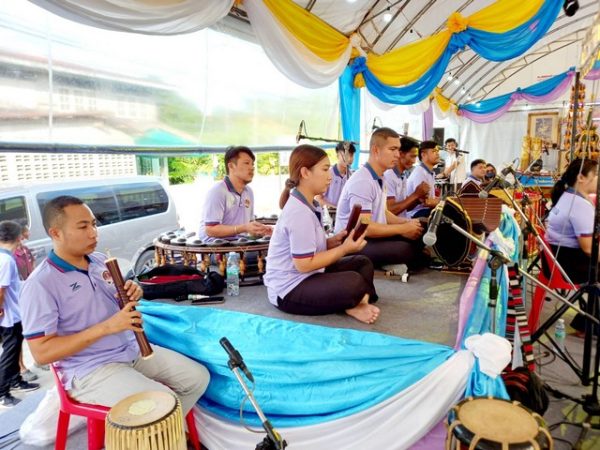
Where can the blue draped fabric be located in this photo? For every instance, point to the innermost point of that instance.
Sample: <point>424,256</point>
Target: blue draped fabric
<point>504,46</point>
<point>482,385</point>
<point>304,373</point>
<point>491,46</point>
<point>350,110</point>
<point>540,89</point>
<point>405,95</point>
<point>480,318</point>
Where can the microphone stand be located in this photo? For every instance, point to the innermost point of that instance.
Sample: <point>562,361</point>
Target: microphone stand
<point>272,441</point>
<point>503,259</point>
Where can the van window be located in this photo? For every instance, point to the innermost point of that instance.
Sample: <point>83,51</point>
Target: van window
<point>101,201</point>
<point>13,208</point>
<point>141,199</point>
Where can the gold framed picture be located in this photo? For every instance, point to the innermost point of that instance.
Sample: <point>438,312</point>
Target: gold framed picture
<point>544,126</point>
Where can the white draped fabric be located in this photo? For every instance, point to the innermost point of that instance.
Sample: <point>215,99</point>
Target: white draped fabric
<point>396,423</point>
<point>288,54</point>
<point>498,142</point>
<point>166,17</point>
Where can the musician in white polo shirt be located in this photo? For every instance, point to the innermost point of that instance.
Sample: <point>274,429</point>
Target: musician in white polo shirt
<point>398,201</point>
<point>390,239</point>
<point>307,272</point>
<point>477,174</point>
<point>229,204</point>
<point>429,155</point>
<point>340,172</point>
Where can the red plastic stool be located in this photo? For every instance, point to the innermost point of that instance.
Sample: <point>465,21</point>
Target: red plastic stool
<point>556,281</point>
<point>96,416</point>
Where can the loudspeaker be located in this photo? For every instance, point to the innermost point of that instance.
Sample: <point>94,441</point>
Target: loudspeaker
<point>438,136</point>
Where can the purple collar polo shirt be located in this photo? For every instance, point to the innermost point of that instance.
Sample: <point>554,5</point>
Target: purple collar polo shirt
<point>337,184</point>
<point>9,280</point>
<point>225,206</point>
<point>59,298</point>
<point>365,188</point>
<point>571,218</point>
<point>297,234</point>
<point>419,174</point>
<point>395,183</point>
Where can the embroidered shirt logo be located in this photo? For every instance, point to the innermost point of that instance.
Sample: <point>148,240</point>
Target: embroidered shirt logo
<point>75,286</point>
<point>106,277</point>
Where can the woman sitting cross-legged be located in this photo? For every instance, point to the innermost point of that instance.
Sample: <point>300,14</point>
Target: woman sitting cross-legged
<point>308,273</point>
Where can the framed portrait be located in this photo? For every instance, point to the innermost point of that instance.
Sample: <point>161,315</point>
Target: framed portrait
<point>544,126</point>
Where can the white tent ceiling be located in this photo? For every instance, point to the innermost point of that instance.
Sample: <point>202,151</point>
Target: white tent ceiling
<point>412,20</point>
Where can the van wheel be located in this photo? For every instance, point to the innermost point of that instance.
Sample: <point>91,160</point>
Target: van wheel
<point>145,262</point>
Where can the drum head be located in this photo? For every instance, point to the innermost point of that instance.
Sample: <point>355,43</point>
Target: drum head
<point>495,422</point>
<point>141,410</point>
<point>451,246</point>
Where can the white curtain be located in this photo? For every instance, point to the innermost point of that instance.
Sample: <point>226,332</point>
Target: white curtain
<point>396,423</point>
<point>165,17</point>
<point>498,142</point>
<point>288,54</point>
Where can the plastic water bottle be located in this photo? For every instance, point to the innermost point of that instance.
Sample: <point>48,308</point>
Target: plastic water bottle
<point>560,333</point>
<point>233,274</point>
<point>327,220</point>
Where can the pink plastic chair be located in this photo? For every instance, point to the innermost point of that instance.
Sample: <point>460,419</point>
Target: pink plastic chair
<point>96,416</point>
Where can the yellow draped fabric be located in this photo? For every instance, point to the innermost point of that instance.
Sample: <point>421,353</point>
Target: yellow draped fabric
<point>319,37</point>
<point>504,15</point>
<point>408,63</point>
<point>444,103</point>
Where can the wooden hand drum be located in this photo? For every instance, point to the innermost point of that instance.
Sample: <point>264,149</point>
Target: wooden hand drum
<point>495,424</point>
<point>146,421</point>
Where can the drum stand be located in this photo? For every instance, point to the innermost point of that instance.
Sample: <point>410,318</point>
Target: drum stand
<point>272,441</point>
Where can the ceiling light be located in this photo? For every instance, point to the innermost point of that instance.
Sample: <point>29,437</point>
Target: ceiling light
<point>387,16</point>
<point>457,81</point>
<point>463,90</point>
<point>351,1</point>
<point>449,77</point>
<point>469,97</point>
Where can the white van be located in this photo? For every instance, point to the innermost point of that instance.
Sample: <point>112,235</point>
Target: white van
<point>131,213</point>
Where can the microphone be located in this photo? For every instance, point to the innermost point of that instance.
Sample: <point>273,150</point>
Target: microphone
<point>235,359</point>
<point>430,238</point>
<point>374,126</point>
<point>460,151</point>
<point>507,170</point>
<point>299,134</point>
<point>485,192</point>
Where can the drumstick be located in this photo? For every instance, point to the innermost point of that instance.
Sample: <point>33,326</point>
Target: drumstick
<point>353,219</point>
<point>113,268</point>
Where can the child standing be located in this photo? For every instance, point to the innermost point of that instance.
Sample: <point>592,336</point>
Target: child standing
<point>11,330</point>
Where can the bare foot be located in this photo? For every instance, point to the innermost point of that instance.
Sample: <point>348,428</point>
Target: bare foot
<point>365,299</point>
<point>364,312</point>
